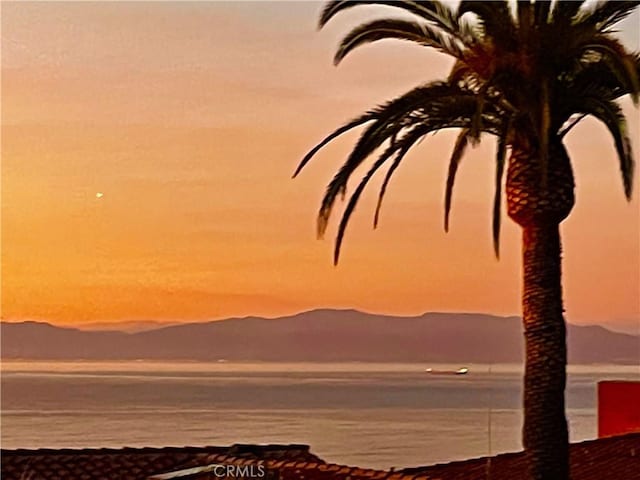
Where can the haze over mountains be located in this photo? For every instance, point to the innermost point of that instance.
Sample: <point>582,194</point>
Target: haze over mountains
<point>318,335</point>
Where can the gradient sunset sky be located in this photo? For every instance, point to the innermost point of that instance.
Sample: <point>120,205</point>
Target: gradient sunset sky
<point>190,118</point>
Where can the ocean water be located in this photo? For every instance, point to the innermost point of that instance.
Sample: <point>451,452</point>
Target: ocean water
<point>374,415</point>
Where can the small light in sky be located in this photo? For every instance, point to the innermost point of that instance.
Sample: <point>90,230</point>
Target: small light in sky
<point>99,195</point>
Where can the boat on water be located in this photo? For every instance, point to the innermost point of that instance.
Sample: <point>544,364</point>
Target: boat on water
<point>460,371</point>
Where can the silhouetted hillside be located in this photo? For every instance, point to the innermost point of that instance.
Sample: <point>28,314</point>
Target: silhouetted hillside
<point>319,335</point>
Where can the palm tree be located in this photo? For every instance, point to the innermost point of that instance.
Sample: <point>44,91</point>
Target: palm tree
<point>527,76</point>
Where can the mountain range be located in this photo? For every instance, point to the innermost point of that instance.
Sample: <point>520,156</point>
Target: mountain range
<point>315,336</point>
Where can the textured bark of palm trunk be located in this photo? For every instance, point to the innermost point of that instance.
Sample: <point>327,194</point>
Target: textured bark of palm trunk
<point>538,205</point>
<point>545,433</point>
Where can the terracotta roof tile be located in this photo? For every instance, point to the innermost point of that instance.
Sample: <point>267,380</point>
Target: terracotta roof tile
<point>615,458</point>
<point>132,463</point>
<point>396,476</point>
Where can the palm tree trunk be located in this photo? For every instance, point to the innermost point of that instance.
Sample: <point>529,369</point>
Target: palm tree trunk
<point>539,203</point>
<point>545,434</point>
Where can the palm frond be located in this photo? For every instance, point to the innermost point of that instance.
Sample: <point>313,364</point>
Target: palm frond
<point>476,124</point>
<point>399,149</point>
<point>501,156</point>
<point>541,11</point>
<point>591,77</point>
<point>525,19</point>
<point>430,100</point>
<point>460,121</point>
<point>588,79</point>
<point>387,112</point>
<point>428,104</point>
<point>622,63</point>
<point>383,189</point>
<point>433,11</point>
<point>463,73</point>
<point>419,33</point>
<point>367,117</point>
<point>495,18</point>
<point>353,201</point>
<point>610,113</point>
<point>605,14</point>
<point>564,11</point>
<point>568,125</point>
<point>456,156</point>
<point>459,72</point>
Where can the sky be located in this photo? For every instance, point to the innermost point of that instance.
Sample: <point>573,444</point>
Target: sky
<point>147,153</point>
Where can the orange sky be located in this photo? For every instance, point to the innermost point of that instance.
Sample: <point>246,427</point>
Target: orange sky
<point>190,119</point>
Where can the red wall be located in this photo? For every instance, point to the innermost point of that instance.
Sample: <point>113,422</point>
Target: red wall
<point>618,408</point>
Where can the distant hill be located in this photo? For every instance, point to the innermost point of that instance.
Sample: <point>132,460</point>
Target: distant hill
<point>126,326</point>
<point>318,335</point>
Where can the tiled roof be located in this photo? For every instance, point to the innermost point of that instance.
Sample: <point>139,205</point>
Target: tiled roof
<point>273,452</point>
<point>125,463</point>
<point>614,458</point>
<point>282,470</point>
